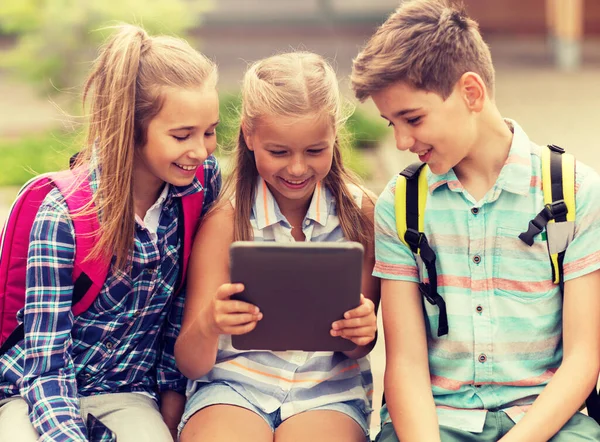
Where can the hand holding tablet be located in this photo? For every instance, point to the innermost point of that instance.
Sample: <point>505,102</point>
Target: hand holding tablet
<point>301,289</point>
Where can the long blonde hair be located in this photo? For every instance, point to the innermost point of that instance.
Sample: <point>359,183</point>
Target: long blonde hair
<point>124,89</point>
<point>292,84</point>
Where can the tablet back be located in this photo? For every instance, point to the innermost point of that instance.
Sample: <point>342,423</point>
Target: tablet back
<point>301,288</point>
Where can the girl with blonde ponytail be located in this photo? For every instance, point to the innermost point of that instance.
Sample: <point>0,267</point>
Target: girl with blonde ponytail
<point>289,184</point>
<point>109,373</point>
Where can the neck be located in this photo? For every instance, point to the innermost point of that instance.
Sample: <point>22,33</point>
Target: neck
<point>146,190</point>
<point>293,210</point>
<point>480,169</point>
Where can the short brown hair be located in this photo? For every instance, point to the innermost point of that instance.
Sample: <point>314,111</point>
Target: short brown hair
<point>428,44</point>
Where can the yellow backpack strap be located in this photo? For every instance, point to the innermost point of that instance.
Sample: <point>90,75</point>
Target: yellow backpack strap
<point>558,215</point>
<point>409,205</point>
<point>410,202</point>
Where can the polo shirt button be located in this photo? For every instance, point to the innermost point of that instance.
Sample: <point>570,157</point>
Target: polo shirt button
<point>136,313</point>
<point>474,210</point>
<point>307,222</point>
<point>109,345</point>
<point>477,259</point>
<point>482,358</point>
<point>479,309</point>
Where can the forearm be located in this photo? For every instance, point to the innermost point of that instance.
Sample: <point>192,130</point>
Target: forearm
<point>54,409</point>
<point>410,403</point>
<point>559,401</point>
<point>196,350</point>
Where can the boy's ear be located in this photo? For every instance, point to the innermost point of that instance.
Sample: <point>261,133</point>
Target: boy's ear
<point>473,91</point>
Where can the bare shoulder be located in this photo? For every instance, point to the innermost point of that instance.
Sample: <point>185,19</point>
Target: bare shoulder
<point>218,222</point>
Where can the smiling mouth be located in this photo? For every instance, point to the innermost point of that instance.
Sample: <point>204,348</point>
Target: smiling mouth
<point>295,184</point>
<point>187,168</point>
<point>423,152</point>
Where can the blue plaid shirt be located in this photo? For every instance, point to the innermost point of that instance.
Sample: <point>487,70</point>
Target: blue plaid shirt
<point>123,343</point>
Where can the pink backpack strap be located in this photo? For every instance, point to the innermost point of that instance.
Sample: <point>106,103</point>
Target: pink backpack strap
<point>89,275</point>
<point>191,206</point>
<point>14,246</point>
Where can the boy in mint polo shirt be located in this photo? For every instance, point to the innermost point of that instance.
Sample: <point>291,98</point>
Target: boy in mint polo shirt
<point>519,358</point>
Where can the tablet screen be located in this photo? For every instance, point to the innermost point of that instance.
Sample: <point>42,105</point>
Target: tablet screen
<point>301,288</point>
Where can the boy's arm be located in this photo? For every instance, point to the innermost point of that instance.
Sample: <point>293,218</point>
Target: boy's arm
<point>49,385</point>
<point>578,373</point>
<point>407,381</point>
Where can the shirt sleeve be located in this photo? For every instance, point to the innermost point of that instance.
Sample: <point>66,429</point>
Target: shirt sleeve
<point>212,180</point>
<point>583,253</point>
<point>168,376</point>
<point>49,384</point>
<point>393,259</point>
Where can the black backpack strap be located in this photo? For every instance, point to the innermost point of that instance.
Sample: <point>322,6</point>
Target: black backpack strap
<point>417,241</point>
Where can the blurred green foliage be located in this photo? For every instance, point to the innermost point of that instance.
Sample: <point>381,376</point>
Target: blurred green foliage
<point>55,37</point>
<point>23,158</point>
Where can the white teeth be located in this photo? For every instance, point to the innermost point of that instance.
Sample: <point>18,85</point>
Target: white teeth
<point>184,167</point>
<point>295,182</point>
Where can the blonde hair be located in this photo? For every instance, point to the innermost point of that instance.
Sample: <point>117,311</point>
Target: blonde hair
<point>292,85</point>
<point>428,44</point>
<point>125,91</point>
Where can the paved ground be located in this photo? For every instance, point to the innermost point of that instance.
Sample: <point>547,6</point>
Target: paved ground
<point>553,107</point>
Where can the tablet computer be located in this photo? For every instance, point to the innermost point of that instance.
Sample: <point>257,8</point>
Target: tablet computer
<point>301,288</point>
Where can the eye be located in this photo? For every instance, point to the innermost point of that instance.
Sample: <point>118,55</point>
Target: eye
<point>277,153</point>
<point>210,134</point>
<point>185,137</point>
<point>315,151</point>
<point>390,124</point>
<point>413,121</point>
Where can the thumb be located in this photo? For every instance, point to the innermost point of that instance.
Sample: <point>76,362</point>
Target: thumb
<point>226,290</point>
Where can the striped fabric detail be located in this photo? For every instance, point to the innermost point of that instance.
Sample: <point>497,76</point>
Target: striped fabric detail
<point>491,359</point>
<point>292,381</point>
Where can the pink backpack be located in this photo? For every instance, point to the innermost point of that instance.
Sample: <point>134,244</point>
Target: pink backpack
<point>88,275</point>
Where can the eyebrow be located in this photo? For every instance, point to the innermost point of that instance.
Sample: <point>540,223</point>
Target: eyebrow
<point>194,127</point>
<point>282,146</point>
<point>403,112</point>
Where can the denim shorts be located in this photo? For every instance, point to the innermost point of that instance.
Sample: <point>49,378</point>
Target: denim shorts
<point>220,393</point>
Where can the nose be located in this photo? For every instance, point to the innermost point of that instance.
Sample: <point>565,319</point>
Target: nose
<point>198,152</point>
<point>404,140</point>
<point>297,167</point>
